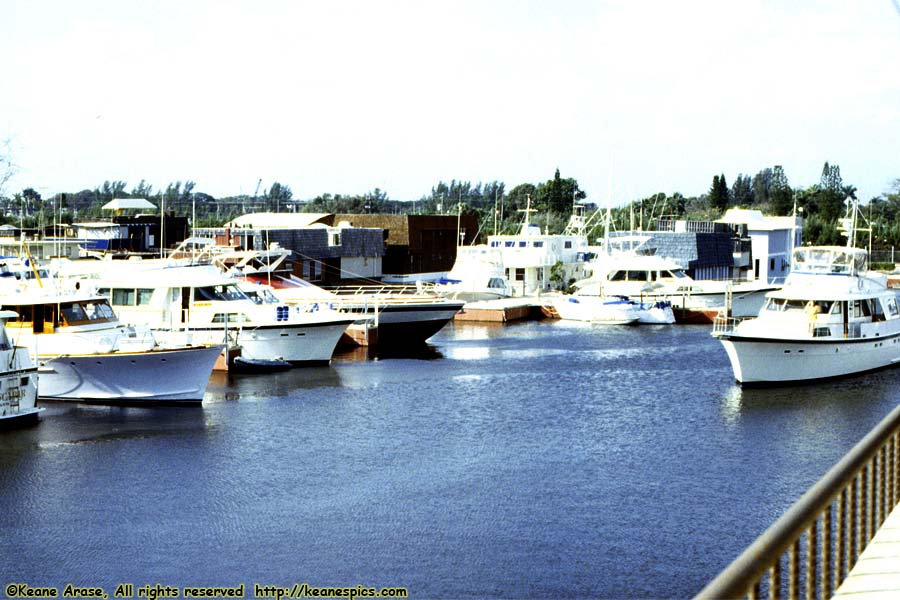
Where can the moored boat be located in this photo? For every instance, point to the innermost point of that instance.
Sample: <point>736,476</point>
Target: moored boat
<point>84,353</point>
<point>832,318</point>
<point>18,381</point>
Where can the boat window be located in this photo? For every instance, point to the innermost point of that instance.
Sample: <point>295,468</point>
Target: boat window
<point>522,244</point>
<point>143,296</point>
<point>568,244</point>
<point>103,292</point>
<point>861,308</point>
<point>794,305</point>
<point>73,313</point>
<point>509,244</point>
<point>231,318</point>
<point>836,308</point>
<point>520,274</point>
<point>538,244</point>
<point>617,276</point>
<point>219,292</point>
<point>4,340</point>
<point>637,275</point>
<point>892,307</point>
<point>495,244</point>
<point>496,283</point>
<point>98,311</point>
<point>123,297</point>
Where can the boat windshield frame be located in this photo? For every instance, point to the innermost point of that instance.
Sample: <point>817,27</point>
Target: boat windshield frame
<point>830,260</point>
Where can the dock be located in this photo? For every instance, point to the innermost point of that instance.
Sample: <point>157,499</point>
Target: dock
<point>876,573</point>
<point>502,310</point>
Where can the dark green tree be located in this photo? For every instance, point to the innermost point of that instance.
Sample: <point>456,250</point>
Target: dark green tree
<point>718,193</point>
<point>780,193</point>
<point>761,185</point>
<point>742,191</point>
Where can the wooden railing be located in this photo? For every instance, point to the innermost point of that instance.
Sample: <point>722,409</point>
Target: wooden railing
<point>810,550</point>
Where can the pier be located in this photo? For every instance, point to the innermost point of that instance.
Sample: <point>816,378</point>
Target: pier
<point>503,310</point>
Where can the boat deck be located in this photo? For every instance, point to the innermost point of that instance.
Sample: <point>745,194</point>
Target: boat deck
<point>877,572</point>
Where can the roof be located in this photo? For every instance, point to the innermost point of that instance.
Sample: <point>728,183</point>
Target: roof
<point>756,221</point>
<point>129,203</point>
<point>275,220</point>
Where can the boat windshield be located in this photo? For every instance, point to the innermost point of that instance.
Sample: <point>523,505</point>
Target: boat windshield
<point>225,293</point>
<point>834,260</point>
<point>93,311</point>
<point>262,296</point>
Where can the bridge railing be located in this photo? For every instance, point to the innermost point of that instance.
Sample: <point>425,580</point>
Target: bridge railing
<point>809,551</point>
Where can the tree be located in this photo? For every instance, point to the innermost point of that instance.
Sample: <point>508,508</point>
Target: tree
<point>780,192</point>
<point>831,194</point>
<point>277,196</point>
<point>761,183</point>
<point>718,193</point>
<point>7,168</point>
<point>742,191</point>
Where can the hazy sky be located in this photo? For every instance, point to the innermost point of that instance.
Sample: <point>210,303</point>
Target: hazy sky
<point>633,97</point>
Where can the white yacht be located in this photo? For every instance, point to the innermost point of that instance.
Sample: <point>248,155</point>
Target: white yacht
<point>587,307</point>
<point>84,353</point>
<point>404,315</point>
<point>201,304</point>
<point>832,318</point>
<point>649,278</point>
<point>18,380</point>
<point>600,310</point>
<point>532,259</point>
<point>476,275</point>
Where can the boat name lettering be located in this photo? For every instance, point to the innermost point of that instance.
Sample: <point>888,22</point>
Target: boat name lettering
<point>11,394</point>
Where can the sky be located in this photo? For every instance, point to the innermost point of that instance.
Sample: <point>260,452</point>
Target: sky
<point>628,97</point>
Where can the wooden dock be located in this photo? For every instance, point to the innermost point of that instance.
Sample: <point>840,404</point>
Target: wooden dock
<point>503,310</point>
<point>877,572</point>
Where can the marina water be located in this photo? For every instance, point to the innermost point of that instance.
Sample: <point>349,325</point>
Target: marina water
<point>533,460</point>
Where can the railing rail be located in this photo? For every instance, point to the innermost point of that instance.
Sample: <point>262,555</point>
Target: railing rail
<point>822,535</point>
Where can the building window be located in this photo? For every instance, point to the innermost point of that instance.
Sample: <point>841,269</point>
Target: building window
<point>568,244</point>
<point>520,274</point>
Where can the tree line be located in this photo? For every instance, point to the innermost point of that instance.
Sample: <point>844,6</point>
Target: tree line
<point>497,208</point>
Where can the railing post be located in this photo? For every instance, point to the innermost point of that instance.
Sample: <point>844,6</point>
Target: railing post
<point>827,554</point>
<point>812,559</point>
<point>775,580</point>
<point>840,543</point>
<point>794,570</point>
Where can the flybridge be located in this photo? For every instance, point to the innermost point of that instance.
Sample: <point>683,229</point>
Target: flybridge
<point>832,260</point>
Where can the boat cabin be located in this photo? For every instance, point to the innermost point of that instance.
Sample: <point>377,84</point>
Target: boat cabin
<point>46,317</point>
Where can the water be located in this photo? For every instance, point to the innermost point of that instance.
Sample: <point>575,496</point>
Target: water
<point>535,460</point>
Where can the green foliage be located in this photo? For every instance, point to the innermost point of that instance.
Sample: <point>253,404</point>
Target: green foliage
<point>718,193</point>
<point>558,278</point>
<point>742,191</point>
<point>780,192</point>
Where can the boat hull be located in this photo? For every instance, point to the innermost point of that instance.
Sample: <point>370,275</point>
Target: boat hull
<point>596,310</point>
<point>408,324</point>
<point>760,362</point>
<point>159,376</point>
<point>299,345</point>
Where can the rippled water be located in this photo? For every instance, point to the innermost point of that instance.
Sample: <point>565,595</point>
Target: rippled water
<point>534,460</point>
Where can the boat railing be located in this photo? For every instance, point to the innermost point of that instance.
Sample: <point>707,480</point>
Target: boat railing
<point>724,324</point>
<point>809,551</point>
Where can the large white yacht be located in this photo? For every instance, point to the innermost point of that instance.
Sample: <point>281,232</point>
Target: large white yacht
<point>201,304</point>
<point>404,315</point>
<point>18,380</point>
<point>650,278</point>
<point>832,318</point>
<point>84,353</point>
